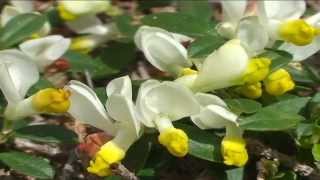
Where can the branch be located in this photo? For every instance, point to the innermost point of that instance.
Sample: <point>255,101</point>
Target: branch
<point>258,149</point>
<point>121,170</point>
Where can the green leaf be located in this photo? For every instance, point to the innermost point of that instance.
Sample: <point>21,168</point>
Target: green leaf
<point>47,134</point>
<point>196,8</point>
<point>279,58</point>
<point>142,149</point>
<point>118,55</point>
<point>279,116</point>
<point>125,26</point>
<point>82,62</point>
<point>304,129</point>
<point>180,23</point>
<point>26,164</point>
<point>287,175</point>
<point>19,28</point>
<point>202,144</point>
<point>241,105</point>
<point>204,46</point>
<point>316,152</point>
<point>235,174</point>
<point>102,94</point>
<point>41,84</point>
<point>301,76</point>
<point>149,172</point>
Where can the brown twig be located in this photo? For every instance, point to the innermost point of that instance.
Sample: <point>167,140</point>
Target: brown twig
<point>121,170</point>
<point>258,149</point>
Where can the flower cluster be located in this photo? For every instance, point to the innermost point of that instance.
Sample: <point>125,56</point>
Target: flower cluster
<point>239,65</point>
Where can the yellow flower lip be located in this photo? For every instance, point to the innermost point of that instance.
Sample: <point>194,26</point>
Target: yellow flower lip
<point>234,151</point>
<point>65,14</point>
<point>51,100</point>
<point>175,140</point>
<point>298,32</point>
<point>188,71</point>
<point>108,154</point>
<point>257,70</point>
<point>279,82</point>
<point>252,91</point>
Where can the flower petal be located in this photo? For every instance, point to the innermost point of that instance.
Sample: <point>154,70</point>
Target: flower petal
<point>45,50</point>
<point>143,112</point>
<point>209,99</point>
<point>281,10</point>
<point>18,74</point>
<point>223,68</point>
<point>214,116</point>
<point>88,24</point>
<point>145,30</point>
<point>301,53</point>
<point>123,110</point>
<point>7,13</point>
<point>23,6</point>
<point>233,11</point>
<point>85,7</point>
<point>165,53</point>
<point>252,35</point>
<point>87,108</point>
<point>121,86</point>
<point>171,100</point>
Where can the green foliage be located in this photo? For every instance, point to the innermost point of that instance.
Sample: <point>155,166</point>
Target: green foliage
<point>316,152</point>
<point>240,106</point>
<point>28,164</point>
<point>19,28</point>
<point>279,116</point>
<point>203,46</point>
<point>235,174</point>
<point>180,23</point>
<point>202,144</point>
<point>47,134</point>
<point>279,58</point>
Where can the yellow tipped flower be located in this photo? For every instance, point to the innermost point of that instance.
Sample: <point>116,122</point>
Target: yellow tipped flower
<point>175,140</point>
<point>109,153</point>
<point>252,91</point>
<point>234,151</point>
<point>257,70</point>
<point>51,100</point>
<point>188,71</point>
<point>65,14</point>
<point>279,82</point>
<point>298,32</point>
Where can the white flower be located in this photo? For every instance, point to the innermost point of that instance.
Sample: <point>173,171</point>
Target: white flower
<point>21,7</point>
<point>223,68</point>
<point>124,126</point>
<point>163,49</point>
<point>44,51</point>
<point>18,73</point>
<point>118,118</point>
<point>161,103</point>
<point>237,23</point>
<point>283,21</point>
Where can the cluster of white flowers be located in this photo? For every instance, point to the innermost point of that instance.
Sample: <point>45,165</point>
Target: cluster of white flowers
<point>235,64</point>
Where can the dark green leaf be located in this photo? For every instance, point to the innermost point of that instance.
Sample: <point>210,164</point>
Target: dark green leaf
<point>279,116</point>
<point>202,144</point>
<point>102,94</point>
<point>301,76</point>
<point>19,28</point>
<point>118,55</point>
<point>125,26</point>
<point>47,134</point>
<point>82,62</point>
<point>180,23</point>
<point>288,175</point>
<point>279,58</point>
<point>304,129</point>
<point>204,46</point>
<point>142,149</point>
<point>240,105</point>
<point>235,174</point>
<point>146,172</point>
<point>26,164</point>
<point>196,8</point>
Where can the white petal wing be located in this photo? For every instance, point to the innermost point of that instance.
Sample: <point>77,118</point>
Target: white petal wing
<point>121,86</point>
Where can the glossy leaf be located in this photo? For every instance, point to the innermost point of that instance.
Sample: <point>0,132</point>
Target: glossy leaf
<point>19,28</point>
<point>316,152</point>
<point>180,23</point>
<point>279,58</point>
<point>204,46</point>
<point>202,144</point>
<point>235,174</point>
<point>27,164</point>
<point>47,134</point>
<point>240,105</point>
